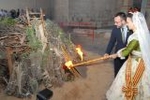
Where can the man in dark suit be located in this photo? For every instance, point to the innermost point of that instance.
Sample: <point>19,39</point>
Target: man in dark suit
<point>118,39</point>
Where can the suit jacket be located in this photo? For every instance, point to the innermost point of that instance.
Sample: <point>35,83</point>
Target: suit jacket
<point>116,40</point>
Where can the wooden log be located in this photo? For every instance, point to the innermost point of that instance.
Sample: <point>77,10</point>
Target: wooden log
<point>9,58</point>
<point>27,15</point>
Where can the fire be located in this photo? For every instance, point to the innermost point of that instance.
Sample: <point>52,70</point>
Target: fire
<point>79,51</point>
<point>69,64</point>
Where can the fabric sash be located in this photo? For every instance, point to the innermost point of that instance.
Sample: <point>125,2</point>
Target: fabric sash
<point>131,89</point>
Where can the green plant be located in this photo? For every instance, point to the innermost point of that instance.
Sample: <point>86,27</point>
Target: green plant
<point>33,41</point>
<point>7,21</point>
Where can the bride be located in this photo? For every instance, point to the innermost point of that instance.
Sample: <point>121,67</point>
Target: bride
<point>133,80</point>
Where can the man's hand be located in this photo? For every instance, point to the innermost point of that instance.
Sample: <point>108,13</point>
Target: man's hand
<point>106,56</point>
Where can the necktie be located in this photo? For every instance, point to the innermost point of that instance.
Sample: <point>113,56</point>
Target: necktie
<point>123,35</point>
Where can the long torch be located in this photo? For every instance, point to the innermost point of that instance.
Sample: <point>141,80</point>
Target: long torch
<point>91,61</point>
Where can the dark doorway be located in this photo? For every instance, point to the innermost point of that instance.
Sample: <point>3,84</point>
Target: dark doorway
<point>137,3</point>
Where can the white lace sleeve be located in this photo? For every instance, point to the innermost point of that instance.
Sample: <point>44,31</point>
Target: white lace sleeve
<point>119,53</point>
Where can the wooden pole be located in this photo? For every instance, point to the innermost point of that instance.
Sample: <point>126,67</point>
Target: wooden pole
<point>9,58</point>
<point>91,61</point>
<point>27,15</point>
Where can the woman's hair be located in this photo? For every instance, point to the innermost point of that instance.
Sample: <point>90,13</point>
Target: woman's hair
<point>130,15</point>
<point>134,9</point>
<point>131,11</point>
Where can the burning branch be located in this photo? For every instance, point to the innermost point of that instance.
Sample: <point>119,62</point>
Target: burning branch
<point>65,54</point>
<point>69,63</point>
<point>79,51</point>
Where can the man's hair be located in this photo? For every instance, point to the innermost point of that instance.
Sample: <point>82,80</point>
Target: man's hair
<point>122,15</point>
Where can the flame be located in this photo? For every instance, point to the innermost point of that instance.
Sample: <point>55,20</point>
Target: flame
<point>69,64</point>
<point>79,51</point>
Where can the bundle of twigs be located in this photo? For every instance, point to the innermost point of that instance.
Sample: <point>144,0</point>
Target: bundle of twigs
<point>55,43</point>
<point>38,55</point>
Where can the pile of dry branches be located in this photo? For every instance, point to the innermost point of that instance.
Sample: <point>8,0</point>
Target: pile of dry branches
<point>36,54</point>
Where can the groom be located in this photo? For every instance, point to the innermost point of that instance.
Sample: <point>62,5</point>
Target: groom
<point>118,39</point>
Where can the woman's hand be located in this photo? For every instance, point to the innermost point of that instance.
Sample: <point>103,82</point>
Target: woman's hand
<point>114,56</point>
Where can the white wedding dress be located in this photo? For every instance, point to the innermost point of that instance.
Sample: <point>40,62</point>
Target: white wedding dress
<point>115,91</point>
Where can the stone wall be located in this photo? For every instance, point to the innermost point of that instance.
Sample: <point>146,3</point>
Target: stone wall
<point>61,10</point>
<point>100,12</point>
